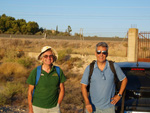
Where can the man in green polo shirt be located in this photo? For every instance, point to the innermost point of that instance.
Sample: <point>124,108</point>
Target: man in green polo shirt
<point>47,96</point>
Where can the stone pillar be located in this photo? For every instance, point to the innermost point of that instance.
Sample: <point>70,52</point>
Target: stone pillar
<point>132,45</point>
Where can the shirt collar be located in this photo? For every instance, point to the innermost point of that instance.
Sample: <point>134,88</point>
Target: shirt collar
<point>96,66</point>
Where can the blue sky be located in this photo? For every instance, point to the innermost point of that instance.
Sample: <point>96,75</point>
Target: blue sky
<point>104,18</point>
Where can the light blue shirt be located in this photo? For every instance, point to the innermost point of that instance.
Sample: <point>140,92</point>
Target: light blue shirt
<point>102,86</point>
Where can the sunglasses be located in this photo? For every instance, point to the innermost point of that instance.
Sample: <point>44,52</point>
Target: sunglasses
<point>46,56</point>
<point>103,52</point>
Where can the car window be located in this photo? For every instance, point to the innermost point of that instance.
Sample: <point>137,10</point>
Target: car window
<point>137,77</point>
<point>136,71</point>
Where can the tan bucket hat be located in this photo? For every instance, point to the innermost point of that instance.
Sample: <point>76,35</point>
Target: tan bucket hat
<point>46,48</point>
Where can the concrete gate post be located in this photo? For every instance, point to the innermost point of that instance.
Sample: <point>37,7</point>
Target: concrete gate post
<point>132,45</point>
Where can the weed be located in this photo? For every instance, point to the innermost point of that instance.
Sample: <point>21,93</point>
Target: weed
<point>73,97</point>
<point>65,45</point>
<point>26,62</point>
<point>26,42</point>
<point>2,53</point>
<point>11,92</point>
<point>20,53</point>
<point>69,51</point>
<point>10,71</point>
<point>16,67</point>
<point>16,42</point>
<point>63,56</point>
<point>80,64</point>
<point>144,49</point>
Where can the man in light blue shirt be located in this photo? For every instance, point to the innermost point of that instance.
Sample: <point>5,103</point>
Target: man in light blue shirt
<point>102,96</point>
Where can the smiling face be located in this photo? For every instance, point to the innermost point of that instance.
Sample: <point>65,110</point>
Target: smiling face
<point>47,58</point>
<point>101,56</point>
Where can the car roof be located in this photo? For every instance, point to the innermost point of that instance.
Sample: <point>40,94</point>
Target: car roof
<point>134,64</point>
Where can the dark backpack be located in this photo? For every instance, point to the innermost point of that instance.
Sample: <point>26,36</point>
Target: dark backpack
<point>111,63</point>
<point>117,82</point>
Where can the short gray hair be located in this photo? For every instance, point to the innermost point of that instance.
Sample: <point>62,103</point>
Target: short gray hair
<point>102,44</point>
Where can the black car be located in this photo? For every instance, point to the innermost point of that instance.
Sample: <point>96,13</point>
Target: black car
<point>137,94</point>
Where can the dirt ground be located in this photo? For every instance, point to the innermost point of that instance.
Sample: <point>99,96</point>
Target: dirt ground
<point>83,50</point>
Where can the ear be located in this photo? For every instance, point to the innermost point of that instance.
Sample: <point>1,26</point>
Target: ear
<point>41,58</point>
<point>54,58</point>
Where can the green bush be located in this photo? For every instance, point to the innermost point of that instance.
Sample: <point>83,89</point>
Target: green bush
<point>10,56</point>
<point>12,90</point>
<point>39,33</point>
<point>69,51</point>
<point>64,55</point>
<point>11,71</point>
<point>61,54</point>
<point>26,62</point>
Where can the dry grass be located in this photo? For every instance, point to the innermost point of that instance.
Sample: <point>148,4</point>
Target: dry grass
<point>11,70</point>
<point>73,101</point>
<point>17,68</point>
<point>76,46</point>
<point>12,91</point>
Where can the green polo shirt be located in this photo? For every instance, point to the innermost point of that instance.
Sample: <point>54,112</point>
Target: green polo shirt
<point>47,90</point>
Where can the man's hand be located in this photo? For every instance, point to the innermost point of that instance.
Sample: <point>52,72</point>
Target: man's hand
<point>115,99</point>
<point>85,96</point>
<point>89,108</point>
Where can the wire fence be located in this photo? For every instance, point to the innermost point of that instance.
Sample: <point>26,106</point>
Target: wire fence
<point>63,37</point>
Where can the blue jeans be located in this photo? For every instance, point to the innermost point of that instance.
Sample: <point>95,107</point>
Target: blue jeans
<point>108,110</point>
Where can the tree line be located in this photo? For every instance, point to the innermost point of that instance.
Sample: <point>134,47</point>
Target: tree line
<point>9,25</point>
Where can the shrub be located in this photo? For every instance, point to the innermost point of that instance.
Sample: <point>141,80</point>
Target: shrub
<point>12,92</point>
<point>69,51</point>
<point>11,70</point>
<point>2,53</point>
<point>72,61</point>
<point>64,55</point>
<point>9,56</point>
<point>61,54</point>
<point>73,98</point>
<point>39,33</point>
<point>16,42</point>
<point>26,42</point>
<point>20,53</point>
<point>80,64</point>
<point>65,44</point>
<point>26,62</point>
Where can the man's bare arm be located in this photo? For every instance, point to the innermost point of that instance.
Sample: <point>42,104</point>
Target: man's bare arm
<point>85,96</point>
<point>116,98</point>
<point>30,91</point>
<point>61,93</point>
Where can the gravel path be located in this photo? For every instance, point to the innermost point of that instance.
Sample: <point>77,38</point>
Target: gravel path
<point>13,109</point>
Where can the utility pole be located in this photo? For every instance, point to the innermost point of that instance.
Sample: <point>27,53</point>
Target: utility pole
<point>81,33</point>
<point>82,39</point>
